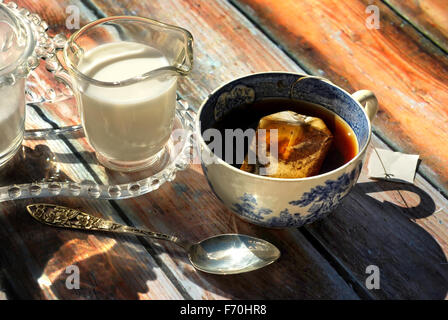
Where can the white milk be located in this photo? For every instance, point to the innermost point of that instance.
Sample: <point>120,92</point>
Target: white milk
<point>126,123</point>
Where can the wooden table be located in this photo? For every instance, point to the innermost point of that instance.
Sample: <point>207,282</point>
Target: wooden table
<point>400,228</point>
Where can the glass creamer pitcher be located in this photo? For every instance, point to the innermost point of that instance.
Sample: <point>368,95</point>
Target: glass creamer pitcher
<point>23,41</point>
<point>123,71</point>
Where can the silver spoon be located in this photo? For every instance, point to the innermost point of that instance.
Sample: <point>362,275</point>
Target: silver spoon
<point>221,254</point>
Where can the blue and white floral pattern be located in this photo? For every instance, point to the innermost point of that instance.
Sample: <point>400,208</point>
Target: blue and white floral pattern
<point>325,198</point>
<point>238,96</point>
<point>287,219</point>
<point>248,208</point>
<point>321,200</point>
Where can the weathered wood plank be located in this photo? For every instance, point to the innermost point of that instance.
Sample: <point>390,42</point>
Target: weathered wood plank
<point>41,275</point>
<point>402,229</point>
<point>185,213</point>
<point>35,257</point>
<point>407,72</point>
<point>43,253</point>
<point>188,208</point>
<point>433,286</point>
<point>428,16</point>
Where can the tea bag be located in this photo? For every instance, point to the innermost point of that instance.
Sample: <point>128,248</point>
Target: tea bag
<point>303,143</point>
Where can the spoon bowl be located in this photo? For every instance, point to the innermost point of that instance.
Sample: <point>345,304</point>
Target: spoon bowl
<point>232,254</point>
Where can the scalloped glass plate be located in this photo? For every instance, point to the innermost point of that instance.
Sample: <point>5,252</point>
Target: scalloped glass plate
<point>60,162</point>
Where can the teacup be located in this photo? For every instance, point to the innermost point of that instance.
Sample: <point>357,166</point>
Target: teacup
<point>275,202</point>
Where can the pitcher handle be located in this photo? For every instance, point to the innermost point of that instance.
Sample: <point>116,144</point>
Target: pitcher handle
<point>368,100</point>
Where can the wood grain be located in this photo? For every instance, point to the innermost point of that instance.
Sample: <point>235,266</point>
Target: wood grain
<point>407,72</point>
<point>428,16</point>
<point>188,207</point>
<point>35,257</point>
<point>435,276</point>
<point>402,229</point>
<point>373,226</point>
<point>126,268</point>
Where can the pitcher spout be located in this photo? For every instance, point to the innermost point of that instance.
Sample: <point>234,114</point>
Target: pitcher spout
<point>174,43</point>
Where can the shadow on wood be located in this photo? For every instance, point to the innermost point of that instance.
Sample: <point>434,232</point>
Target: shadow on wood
<point>34,259</point>
<point>376,225</point>
<point>187,208</point>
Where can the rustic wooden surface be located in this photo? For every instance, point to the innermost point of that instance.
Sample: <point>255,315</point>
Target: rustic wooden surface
<point>428,16</point>
<point>407,72</point>
<point>401,229</point>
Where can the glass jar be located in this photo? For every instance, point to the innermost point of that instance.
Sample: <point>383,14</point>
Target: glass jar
<point>23,42</point>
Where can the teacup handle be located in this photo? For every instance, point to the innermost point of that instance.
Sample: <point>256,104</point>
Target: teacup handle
<point>368,100</point>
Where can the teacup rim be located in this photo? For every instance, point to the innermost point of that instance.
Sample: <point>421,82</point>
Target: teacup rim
<point>252,175</point>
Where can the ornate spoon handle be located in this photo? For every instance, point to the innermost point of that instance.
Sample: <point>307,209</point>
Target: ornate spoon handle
<point>64,217</point>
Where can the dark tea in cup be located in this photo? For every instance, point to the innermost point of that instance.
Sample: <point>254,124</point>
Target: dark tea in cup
<point>344,146</point>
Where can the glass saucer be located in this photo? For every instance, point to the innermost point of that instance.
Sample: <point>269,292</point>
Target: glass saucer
<point>58,161</point>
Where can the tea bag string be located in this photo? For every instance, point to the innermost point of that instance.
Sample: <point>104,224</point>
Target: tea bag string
<point>387,175</point>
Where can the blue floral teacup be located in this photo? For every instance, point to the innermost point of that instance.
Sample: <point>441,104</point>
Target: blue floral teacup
<point>275,202</point>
